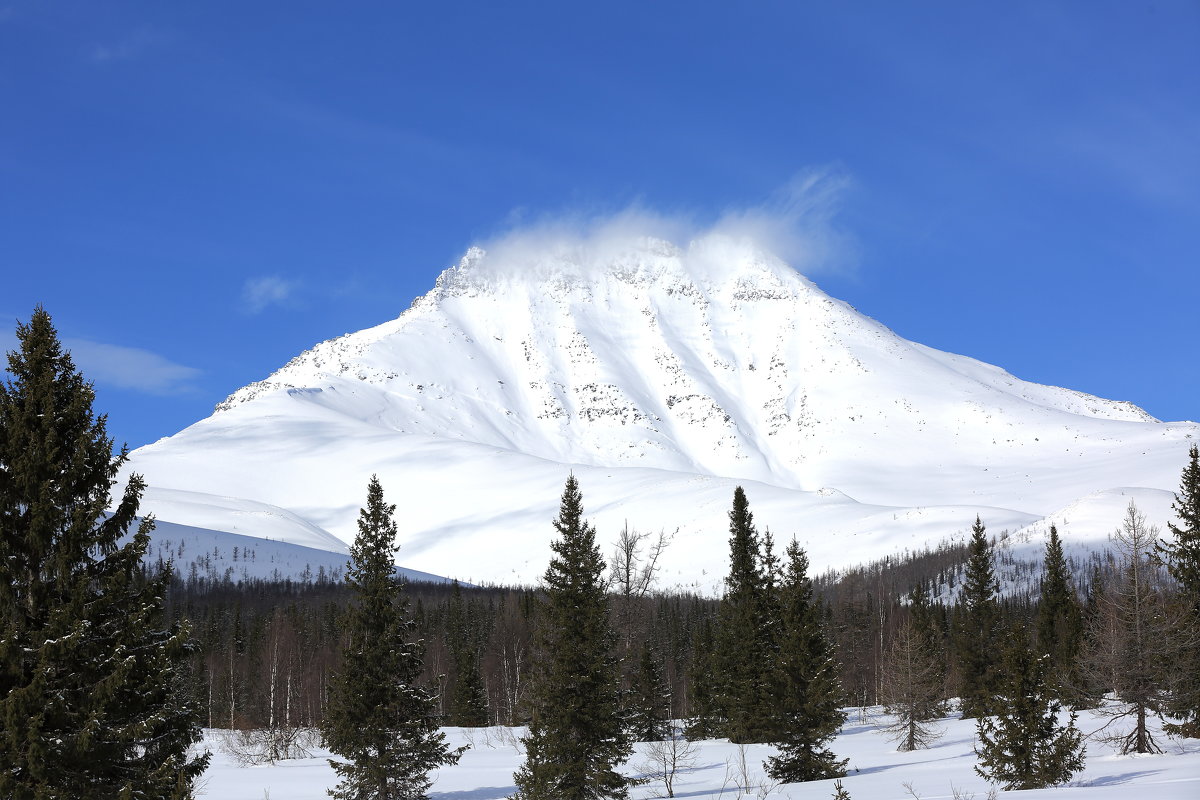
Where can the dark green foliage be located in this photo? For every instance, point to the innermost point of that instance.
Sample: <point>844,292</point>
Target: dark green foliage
<point>704,721</point>
<point>468,698</point>
<point>977,633</point>
<point>807,692</point>
<point>1060,624</point>
<point>839,791</point>
<point>1182,557</point>
<point>650,700</point>
<point>92,700</point>
<point>575,740</point>
<point>743,657</point>
<point>1025,746</point>
<point>378,718</point>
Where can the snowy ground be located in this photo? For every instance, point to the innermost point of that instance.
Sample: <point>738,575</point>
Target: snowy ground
<point>876,770</point>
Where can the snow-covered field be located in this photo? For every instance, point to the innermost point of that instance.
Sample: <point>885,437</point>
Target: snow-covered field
<point>663,376</point>
<point>721,771</point>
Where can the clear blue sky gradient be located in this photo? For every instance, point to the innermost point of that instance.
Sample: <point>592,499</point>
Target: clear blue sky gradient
<point>199,191</point>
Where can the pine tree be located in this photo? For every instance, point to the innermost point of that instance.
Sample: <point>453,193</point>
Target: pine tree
<point>650,700</point>
<point>1060,623</point>
<point>977,635</point>
<point>704,721</point>
<point>1025,746</point>
<point>742,661</point>
<point>807,689</point>
<point>378,718</point>
<point>575,740</point>
<point>468,696</point>
<point>1182,557</point>
<point>92,697</point>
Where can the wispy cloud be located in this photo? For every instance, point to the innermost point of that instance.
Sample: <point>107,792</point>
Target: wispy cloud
<point>796,224</point>
<point>118,366</point>
<point>130,368</point>
<point>268,290</point>
<point>129,47</point>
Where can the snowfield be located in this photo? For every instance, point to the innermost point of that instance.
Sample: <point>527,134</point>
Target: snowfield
<point>663,376</point>
<point>722,771</point>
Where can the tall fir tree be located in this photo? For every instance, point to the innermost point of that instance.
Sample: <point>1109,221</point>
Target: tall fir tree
<point>1025,746</point>
<point>1060,624</point>
<point>1182,556</point>
<point>92,702</point>
<point>743,657</point>
<point>468,704</point>
<point>978,627</point>
<point>650,700</point>
<point>807,691</point>
<point>704,718</point>
<point>576,739</point>
<point>378,718</point>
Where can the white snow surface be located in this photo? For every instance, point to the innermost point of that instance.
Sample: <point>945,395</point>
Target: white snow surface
<point>662,376</point>
<point>876,770</point>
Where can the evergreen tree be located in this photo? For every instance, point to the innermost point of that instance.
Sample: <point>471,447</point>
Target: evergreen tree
<point>1025,746</point>
<point>92,698</point>
<point>575,740</point>
<point>977,634</point>
<point>1182,557</point>
<point>742,661</point>
<point>468,696</point>
<point>704,721</point>
<point>378,718</point>
<point>807,689</point>
<point>1060,623</point>
<point>650,700</point>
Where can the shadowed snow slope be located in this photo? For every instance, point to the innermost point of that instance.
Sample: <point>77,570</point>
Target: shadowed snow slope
<point>663,376</point>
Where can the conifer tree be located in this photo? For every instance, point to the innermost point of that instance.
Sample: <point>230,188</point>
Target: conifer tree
<point>1060,623</point>
<point>1182,557</point>
<point>92,699</point>
<point>977,635</point>
<point>468,697</point>
<point>378,718</point>
<point>807,690</point>
<point>704,721</point>
<point>1025,746</point>
<point>743,658</point>
<point>575,740</point>
<point>650,700</point>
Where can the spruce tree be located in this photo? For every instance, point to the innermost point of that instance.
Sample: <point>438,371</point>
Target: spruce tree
<point>1060,623</point>
<point>575,740</point>
<point>743,658</point>
<point>468,705</point>
<point>378,718</point>
<point>807,690</point>
<point>92,698</point>
<point>977,633</point>
<point>1182,557</point>
<point>1025,746</point>
<point>704,721</point>
<point>650,700</point>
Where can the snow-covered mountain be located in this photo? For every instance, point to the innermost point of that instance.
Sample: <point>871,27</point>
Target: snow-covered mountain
<point>663,377</point>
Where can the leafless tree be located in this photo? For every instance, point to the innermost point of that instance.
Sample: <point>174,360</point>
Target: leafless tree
<point>666,759</point>
<point>913,685</point>
<point>1130,637</point>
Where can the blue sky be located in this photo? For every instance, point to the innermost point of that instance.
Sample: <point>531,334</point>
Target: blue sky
<point>197,192</point>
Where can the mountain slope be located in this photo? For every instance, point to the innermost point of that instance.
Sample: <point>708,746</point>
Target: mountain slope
<point>663,376</point>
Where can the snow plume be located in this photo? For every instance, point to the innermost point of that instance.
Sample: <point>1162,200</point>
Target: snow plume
<point>795,226</point>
